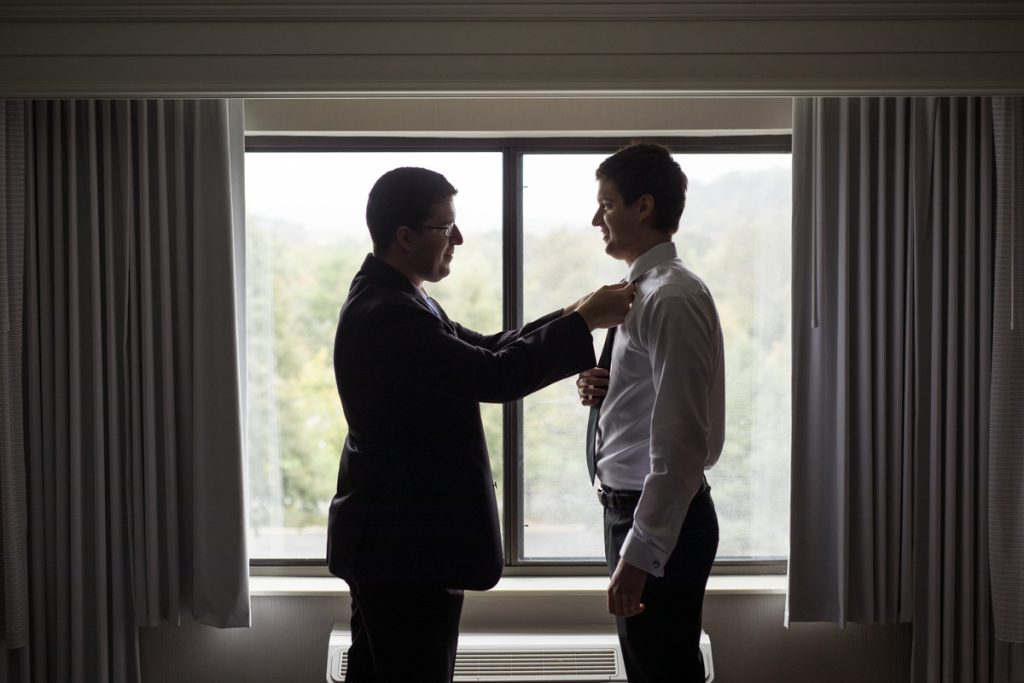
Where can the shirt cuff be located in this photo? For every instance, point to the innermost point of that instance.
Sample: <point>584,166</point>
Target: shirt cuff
<point>643,555</point>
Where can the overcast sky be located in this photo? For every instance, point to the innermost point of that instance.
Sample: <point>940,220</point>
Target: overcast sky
<point>326,192</point>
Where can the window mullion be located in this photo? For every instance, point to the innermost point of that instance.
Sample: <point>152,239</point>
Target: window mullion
<point>512,268</point>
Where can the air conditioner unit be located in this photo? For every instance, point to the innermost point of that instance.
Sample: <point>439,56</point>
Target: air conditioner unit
<point>523,657</point>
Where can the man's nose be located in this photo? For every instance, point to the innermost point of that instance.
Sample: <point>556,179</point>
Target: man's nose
<point>598,219</point>
<point>456,237</point>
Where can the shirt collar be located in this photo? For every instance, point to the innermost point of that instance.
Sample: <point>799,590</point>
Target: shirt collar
<point>649,259</point>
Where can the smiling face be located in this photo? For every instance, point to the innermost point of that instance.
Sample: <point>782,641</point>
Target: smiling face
<point>624,226</point>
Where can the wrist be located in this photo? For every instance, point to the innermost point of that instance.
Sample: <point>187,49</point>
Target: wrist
<point>587,317</point>
<point>629,569</point>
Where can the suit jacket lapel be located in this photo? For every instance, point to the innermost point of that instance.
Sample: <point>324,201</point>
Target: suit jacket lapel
<point>444,316</point>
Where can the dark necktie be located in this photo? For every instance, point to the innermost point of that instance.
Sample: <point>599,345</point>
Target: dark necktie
<point>436,310</point>
<point>604,362</point>
<point>432,306</point>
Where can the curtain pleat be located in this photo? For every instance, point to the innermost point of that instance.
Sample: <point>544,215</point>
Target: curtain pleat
<point>129,344</point>
<point>14,621</point>
<point>952,610</point>
<point>850,539</point>
<point>1006,472</point>
<point>892,374</point>
<point>218,547</point>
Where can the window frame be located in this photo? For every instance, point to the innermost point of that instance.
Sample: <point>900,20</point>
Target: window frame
<point>513,149</point>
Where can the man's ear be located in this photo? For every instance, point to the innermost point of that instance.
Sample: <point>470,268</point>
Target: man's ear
<point>645,205</point>
<point>403,237</point>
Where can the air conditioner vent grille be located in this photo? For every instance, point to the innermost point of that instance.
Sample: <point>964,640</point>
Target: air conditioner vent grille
<point>342,666</point>
<point>498,665</point>
<point>491,657</point>
<point>511,664</point>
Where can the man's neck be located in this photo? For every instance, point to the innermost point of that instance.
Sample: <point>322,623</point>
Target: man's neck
<point>401,267</point>
<point>645,246</point>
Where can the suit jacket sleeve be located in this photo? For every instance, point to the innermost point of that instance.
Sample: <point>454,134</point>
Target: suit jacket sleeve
<point>494,342</point>
<point>497,368</point>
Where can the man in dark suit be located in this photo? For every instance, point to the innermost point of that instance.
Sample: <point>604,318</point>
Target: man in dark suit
<point>414,521</point>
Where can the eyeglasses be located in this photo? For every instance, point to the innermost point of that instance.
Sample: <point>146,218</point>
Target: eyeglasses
<point>448,229</point>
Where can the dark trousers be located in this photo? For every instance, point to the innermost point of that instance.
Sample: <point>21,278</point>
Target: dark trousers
<point>662,643</point>
<point>403,633</point>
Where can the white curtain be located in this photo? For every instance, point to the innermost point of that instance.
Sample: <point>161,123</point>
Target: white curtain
<point>134,486</point>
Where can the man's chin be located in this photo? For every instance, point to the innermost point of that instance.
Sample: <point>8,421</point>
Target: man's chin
<point>441,273</point>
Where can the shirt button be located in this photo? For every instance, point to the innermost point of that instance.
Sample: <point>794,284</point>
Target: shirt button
<point>657,564</point>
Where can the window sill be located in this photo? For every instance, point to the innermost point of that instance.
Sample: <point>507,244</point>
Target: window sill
<point>278,586</point>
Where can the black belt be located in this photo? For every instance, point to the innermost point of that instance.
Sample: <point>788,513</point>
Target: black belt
<point>614,499</point>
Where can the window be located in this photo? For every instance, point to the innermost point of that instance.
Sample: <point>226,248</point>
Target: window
<point>527,205</point>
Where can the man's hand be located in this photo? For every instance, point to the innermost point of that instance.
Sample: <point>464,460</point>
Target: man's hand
<point>592,385</point>
<point>607,307</point>
<point>626,589</point>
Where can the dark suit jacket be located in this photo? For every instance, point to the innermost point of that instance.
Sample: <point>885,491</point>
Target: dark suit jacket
<point>415,499</point>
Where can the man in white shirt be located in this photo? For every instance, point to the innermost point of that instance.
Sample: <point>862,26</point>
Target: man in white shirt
<point>658,418</point>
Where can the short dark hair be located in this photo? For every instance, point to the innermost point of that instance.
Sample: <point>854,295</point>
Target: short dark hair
<point>403,196</point>
<point>646,168</point>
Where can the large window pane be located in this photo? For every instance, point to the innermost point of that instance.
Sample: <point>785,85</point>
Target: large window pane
<point>563,258</point>
<point>305,238</point>
<point>735,234</point>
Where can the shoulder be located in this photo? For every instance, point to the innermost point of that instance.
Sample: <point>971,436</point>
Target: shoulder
<point>370,303</point>
<point>675,298</point>
<point>673,283</point>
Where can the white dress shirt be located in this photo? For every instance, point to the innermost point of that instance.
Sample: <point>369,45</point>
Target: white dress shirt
<point>662,422</point>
